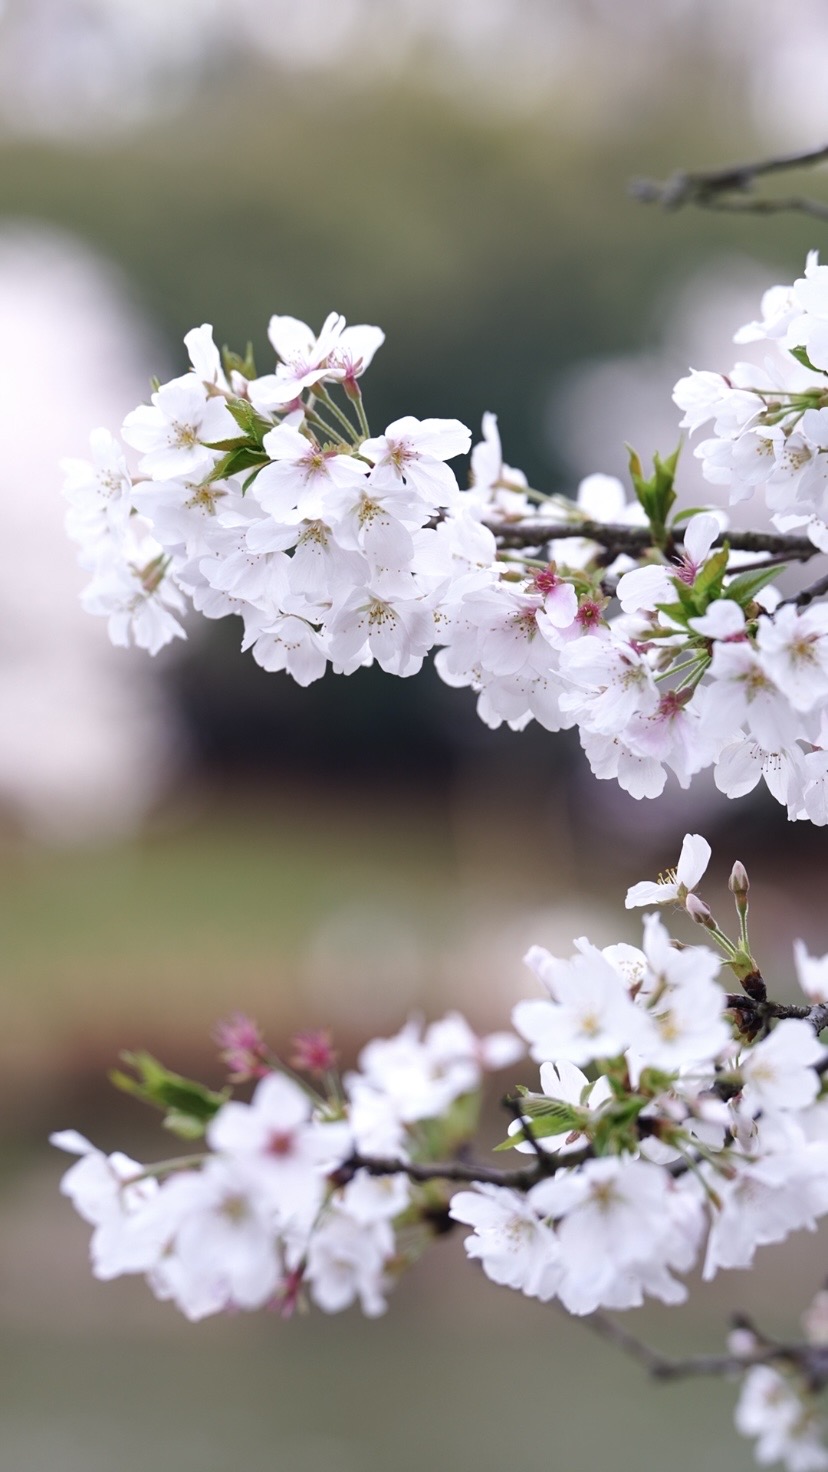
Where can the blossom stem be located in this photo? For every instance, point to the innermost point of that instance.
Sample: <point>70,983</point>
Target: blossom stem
<point>167,1167</point>
<point>331,404</point>
<point>361,415</point>
<point>315,417</point>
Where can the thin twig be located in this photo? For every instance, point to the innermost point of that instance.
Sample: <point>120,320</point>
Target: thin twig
<point>807,595</point>
<point>714,188</point>
<point>811,1359</point>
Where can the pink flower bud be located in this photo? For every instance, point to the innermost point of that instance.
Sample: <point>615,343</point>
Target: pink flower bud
<point>313,1051</point>
<point>242,1047</point>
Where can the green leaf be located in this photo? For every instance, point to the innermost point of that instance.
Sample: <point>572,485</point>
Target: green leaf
<point>744,588</point>
<point>246,366</point>
<point>246,417</point>
<point>689,511</point>
<point>248,480</point>
<point>187,1105</point>
<point>709,584</point>
<point>801,355</point>
<point>678,611</point>
<point>548,1116</point>
<point>241,442</point>
<point>657,495</point>
<point>244,458</point>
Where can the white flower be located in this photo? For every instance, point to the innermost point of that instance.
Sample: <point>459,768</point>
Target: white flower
<point>338,354</point>
<point>413,451</point>
<point>683,1003</point>
<point>293,486</point>
<point>678,882</point>
<point>784,1422</point>
<point>398,633</point>
<point>615,683</point>
<point>418,1077</point>
<point>110,1192</point>
<point>591,1015</point>
<point>778,1072</point>
<point>275,1133</point>
<point>811,973</point>
<point>724,619</point>
<point>514,1246</point>
<point>172,433</point>
<point>290,643</point>
<point>99,492</point>
<point>495,486</point>
<point>346,1260</point>
<point>794,649</point>
<point>224,1250</point>
<point>205,356</point>
<point>617,1232</point>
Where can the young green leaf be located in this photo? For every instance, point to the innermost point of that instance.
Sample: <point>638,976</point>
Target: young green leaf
<point>188,1106</point>
<point>744,588</point>
<point>801,355</point>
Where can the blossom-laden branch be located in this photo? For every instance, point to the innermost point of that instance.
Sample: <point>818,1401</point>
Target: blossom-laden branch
<point>657,632</point>
<point>456,1171</point>
<point>730,188</point>
<point>673,1120</point>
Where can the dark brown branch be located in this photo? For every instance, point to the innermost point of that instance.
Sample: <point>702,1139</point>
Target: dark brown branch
<point>633,539</point>
<point>727,188</point>
<point>817,1015</point>
<point>520,1179</point>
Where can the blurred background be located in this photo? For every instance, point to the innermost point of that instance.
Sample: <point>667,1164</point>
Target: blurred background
<point>185,837</point>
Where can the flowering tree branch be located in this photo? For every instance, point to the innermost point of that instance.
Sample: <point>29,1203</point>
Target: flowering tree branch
<point>727,188</point>
<point>672,1116</point>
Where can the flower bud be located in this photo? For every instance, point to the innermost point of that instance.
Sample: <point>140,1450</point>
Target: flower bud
<point>742,1343</point>
<point>699,911</point>
<point>738,883</point>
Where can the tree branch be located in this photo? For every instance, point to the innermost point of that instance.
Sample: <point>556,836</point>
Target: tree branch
<point>817,1015</point>
<point>807,595</point>
<point>810,1359</point>
<point>725,189</point>
<point>520,1179</point>
<point>633,539</point>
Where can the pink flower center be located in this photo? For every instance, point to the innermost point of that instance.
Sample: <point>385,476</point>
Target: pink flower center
<point>589,614</point>
<point>546,580</point>
<point>280,1143</point>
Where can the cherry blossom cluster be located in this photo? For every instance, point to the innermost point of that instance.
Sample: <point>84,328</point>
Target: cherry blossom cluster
<point>268,497</point>
<point>770,422</point>
<point>673,1122</point>
<point>260,1218</point>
